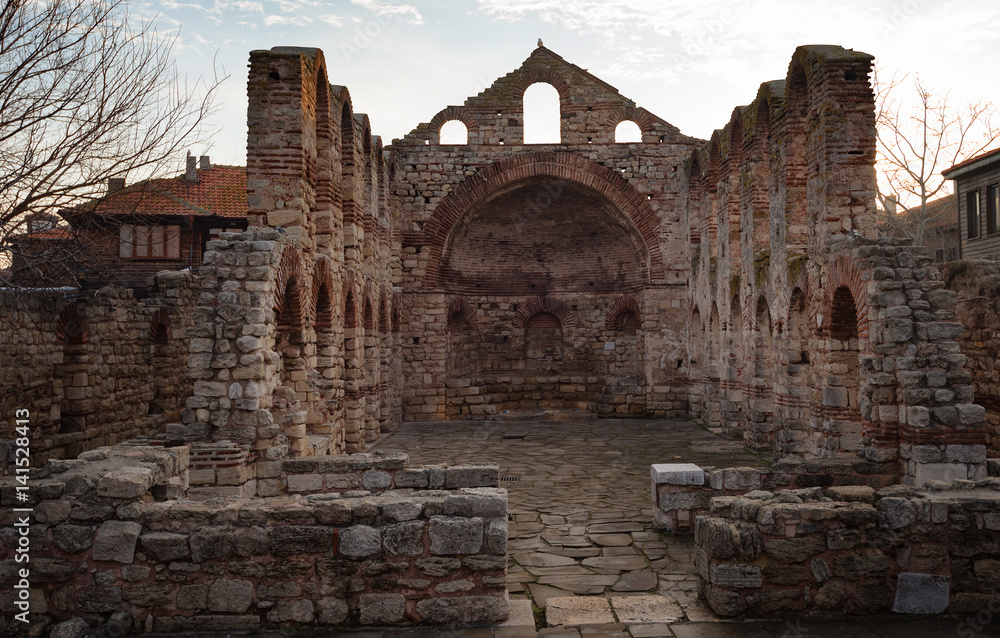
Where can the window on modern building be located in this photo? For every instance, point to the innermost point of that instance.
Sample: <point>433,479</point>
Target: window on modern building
<point>972,214</point>
<point>541,114</point>
<point>952,254</point>
<point>992,208</point>
<point>454,132</point>
<point>149,242</point>
<point>939,255</point>
<point>627,132</point>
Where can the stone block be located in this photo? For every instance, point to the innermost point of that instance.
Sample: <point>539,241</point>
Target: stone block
<point>126,483</point>
<point>723,575</point>
<point>895,512</point>
<point>332,611</point>
<point>73,538</point>
<point>472,475</point>
<point>452,535</point>
<point>464,610</point>
<point>290,540</point>
<point>72,628</point>
<point>486,502</point>
<point>685,500</point>
<point>376,480</point>
<point>381,609</point>
<point>921,594</point>
<point>165,546</point>
<point>677,474</point>
<point>946,472</point>
<point>360,541</point>
<point>398,511</point>
<point>296,611</point>
<point>116,541</point>
<point>304,482</point>
<point>230,595</point>
<point>193,596</point>
<point>404,539</point>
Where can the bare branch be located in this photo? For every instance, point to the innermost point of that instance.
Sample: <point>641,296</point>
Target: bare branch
<point>917,142</point>
<point>86,94</point>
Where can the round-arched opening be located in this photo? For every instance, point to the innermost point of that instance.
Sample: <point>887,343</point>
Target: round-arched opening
<point>627,132</point>
<point>544,236</point>
<point>542,114</point>
<point>454,132</point>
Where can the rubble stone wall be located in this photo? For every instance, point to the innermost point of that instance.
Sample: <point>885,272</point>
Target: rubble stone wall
<point>94,370</point>
<point>851,549</point>
<point>384,545</point>
<point>978,286</point>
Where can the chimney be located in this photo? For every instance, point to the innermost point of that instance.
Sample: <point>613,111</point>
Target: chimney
<point>115,184</point>
<point>203,163</point>
<point>890,204</point>
<point>191,174</point>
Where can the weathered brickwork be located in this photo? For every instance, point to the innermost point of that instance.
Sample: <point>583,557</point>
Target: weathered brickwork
<point>809,336</point>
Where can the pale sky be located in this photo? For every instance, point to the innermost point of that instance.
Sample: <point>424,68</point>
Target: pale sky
<point>690,63</point>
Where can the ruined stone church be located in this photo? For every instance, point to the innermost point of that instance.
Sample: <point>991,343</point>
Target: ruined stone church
<point>740,281</point>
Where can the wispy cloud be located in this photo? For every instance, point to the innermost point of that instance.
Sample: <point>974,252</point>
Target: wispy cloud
<point>407,12</point>
<point>294,21</point>
<point>330,19</point>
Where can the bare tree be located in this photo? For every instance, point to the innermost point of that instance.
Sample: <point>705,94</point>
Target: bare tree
<point>916,141</point>
<point>87,93</point>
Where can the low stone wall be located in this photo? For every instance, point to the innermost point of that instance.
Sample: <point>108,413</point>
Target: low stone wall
<point>108,534</point>
<point>684,491</point>
<point>851,549</point>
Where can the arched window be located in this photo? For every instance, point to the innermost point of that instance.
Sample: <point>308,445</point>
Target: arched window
<point>543,339</point>
<point>454,132</point>
<point>541,114</point>
<point>627,132</point>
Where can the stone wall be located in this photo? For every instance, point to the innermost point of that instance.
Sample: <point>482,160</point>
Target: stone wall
<point>492,258</point>
<point>96,368</point>
<point>851,549</point>
<point>357,539</point>
<point>683,491</point>
<point>978,286</point>
<point>809,336</point>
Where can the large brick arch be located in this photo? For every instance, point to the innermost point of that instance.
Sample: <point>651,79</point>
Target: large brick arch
<point>556,164</point>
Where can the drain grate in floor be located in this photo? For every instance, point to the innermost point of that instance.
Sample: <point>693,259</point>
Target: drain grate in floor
<point>508,479</point>
<point>513,437</point>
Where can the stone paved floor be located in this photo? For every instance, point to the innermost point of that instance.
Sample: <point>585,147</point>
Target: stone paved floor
<point>581,505</point>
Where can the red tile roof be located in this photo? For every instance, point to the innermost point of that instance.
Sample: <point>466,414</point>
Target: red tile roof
<point>220,191</point>
<point>50,233</point>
